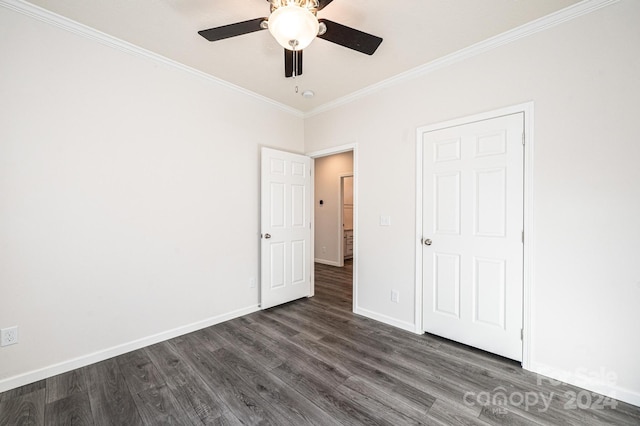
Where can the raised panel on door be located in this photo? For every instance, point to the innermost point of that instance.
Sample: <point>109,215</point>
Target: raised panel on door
<point>299,168</point>
<point>298,206</point>
<point>489,292</point>
<point>492,143</point>
<point>299,272</point>
<point>446,150</point>
<point>277,204</point>
<point>473,216</point>
<point>277,265</point>
<point>490,202</point>
<point>277,166</point>
<point>446,289</point>
<point>446,199</point>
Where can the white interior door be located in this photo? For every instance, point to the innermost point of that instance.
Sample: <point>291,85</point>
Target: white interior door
<point>286,227</point>
<point>473,226</point>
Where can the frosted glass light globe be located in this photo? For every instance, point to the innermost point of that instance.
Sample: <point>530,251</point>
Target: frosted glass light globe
<point>293,27</point>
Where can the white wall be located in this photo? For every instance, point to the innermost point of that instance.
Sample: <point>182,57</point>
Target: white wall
<point>584,79</point>
<point>328,171</point>
<point>129,195</point>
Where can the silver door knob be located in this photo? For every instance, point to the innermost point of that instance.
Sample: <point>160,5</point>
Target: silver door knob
<point>427,242</point>
<point>267,236</point>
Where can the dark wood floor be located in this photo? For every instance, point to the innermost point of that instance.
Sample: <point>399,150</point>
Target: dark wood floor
<point>308,362</point>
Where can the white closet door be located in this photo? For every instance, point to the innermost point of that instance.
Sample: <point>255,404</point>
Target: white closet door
<point>472,224</point>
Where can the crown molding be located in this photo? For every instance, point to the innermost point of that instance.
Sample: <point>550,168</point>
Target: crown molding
<point>582,8</point>
<point>70,25</point>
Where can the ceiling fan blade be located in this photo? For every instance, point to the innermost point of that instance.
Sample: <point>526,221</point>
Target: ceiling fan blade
<point>350,37</point>
<point>232,30</point>
<point>292,63</point>
<point>323,3</point>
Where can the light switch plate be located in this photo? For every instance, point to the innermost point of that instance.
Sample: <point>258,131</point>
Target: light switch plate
<point>385,220</point>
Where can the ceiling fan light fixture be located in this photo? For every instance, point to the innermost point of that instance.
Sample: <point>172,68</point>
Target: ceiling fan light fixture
<point>294,27</point>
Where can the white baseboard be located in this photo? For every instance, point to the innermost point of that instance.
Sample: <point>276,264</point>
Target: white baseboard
<point>601,382</point>
<point>327,262</point>
<point>407,326</point>
<point>83,361</point>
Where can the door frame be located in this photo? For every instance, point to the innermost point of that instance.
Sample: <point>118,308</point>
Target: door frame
<point>325,153</point>
<point>527,279</point>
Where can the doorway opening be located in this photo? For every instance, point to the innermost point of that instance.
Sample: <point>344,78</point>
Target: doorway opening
<point>334,236</point>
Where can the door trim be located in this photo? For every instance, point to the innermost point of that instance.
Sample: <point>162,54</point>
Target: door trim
<point>324,153</point>
<point>528,223</point>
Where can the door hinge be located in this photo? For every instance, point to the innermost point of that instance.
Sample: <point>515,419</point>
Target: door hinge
<point>523,138</point>
<point>522,237</point>
<point>522,334</point>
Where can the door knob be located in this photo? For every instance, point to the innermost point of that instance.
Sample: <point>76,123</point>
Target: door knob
<point>267,236</point>
<point>427,242</point>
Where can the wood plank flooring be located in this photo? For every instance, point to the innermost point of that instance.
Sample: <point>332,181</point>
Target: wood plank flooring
<point>312,362</point>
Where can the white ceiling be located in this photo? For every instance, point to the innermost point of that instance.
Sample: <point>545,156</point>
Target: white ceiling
<point>415,32</point>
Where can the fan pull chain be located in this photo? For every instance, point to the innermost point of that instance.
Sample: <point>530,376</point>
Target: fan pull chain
<point>295,64</point>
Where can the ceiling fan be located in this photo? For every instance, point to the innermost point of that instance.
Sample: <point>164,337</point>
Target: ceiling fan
<point>294,25</point>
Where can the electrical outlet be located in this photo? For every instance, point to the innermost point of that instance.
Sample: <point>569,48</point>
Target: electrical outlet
<point>252,282</point>
<point>9,336</point>
<point>324,249</point>
<point>395,296</point>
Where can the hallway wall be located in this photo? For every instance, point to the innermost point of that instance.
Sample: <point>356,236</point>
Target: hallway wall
<point>328,171</point>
